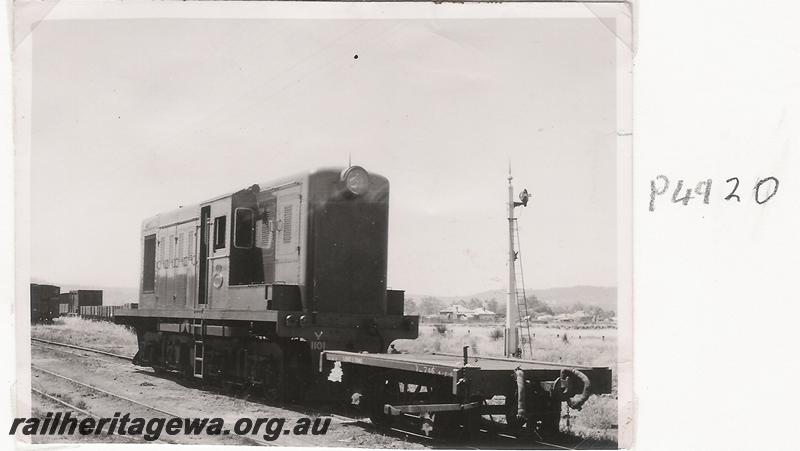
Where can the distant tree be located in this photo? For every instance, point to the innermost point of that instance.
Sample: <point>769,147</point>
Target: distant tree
<point>430,305</point>
<point>410,307</point>
<point>474,303</point>
<point>493,305</point>
<point>538,306</point>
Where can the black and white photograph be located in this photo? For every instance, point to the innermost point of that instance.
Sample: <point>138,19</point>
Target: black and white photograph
<point>343,225</point>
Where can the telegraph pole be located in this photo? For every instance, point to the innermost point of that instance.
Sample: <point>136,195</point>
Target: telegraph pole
<point>512,347</point>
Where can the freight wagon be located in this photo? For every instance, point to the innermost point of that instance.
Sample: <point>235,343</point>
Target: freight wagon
<point>44,303</point>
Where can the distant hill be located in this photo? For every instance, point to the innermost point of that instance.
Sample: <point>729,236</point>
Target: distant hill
<point>111,295</point>
<point>603,297</point>
<point>560,297</point>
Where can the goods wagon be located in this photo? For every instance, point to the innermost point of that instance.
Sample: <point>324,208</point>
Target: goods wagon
<point>44,303</point>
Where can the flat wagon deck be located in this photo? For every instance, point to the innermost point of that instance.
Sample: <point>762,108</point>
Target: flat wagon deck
<point>450,392</point>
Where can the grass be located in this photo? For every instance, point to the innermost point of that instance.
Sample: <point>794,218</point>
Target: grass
<point>588,347</point>
<point>100,335</point>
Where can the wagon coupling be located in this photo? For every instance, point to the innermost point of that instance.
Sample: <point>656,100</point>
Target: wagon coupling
<point>566,384</point>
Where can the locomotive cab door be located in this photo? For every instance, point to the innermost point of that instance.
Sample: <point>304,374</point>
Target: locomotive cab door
<point>214,270</point>
<point>287,239</point>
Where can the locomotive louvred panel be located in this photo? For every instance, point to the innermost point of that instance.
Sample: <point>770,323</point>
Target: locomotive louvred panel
<point>181,252</point>
<point>171,254</point>
<point>288,224</point>
<point>190,247</point>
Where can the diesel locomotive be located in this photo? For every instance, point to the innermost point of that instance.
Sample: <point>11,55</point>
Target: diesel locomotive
<point>250,287</point>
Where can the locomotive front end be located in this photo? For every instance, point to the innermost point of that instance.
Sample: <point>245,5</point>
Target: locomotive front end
<point>346,302</point>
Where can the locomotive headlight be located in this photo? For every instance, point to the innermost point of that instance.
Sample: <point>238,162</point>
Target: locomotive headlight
<point>356,180</point>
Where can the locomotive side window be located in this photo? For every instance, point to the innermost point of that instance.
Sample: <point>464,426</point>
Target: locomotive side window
<point>243,226</point>
<point>149,269</point>
<point>219,232</point>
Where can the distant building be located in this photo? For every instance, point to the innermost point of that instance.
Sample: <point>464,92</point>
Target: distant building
<point>462,313</point>
<point>581,317</point>
<point>481,314</point>
<point>455,312</point>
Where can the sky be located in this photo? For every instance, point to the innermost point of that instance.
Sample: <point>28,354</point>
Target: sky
<point>134,117</point>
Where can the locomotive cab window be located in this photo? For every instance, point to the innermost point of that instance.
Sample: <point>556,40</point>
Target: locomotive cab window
<point>149,269</point>
<point>243,226</point>
<point>219,232</point>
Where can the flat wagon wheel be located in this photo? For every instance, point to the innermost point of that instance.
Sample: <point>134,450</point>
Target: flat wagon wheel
<point>445,425</point>
<point>382,391</point>
<point>549,418</point>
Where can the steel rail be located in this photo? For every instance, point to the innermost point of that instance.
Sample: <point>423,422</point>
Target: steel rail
<point>82,348</point>
<point>84,355</point>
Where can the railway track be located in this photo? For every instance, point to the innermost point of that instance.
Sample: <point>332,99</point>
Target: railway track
<point>250,440</point>
<point>82,348</point>
<point>87,414</point>
<point>493,439</point>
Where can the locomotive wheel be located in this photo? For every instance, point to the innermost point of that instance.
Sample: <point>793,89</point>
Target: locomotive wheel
<point>271,387</point>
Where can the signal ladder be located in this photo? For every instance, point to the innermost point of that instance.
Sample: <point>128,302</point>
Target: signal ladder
<point>523,314</point>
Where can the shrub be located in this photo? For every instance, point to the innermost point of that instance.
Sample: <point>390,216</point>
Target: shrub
<point>473,346</point>
<point>496,334</point>
<point>441,328</point>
